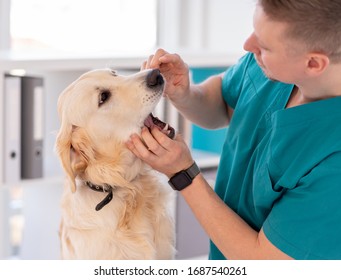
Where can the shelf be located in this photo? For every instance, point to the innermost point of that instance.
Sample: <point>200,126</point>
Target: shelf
<point>61,61</point>
<point>206,159</point>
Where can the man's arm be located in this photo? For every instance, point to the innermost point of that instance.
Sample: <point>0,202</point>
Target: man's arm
<point>205,105</point>
<point>230,233</point>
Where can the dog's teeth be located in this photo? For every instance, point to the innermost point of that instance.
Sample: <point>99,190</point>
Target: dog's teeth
<point>165,128</point>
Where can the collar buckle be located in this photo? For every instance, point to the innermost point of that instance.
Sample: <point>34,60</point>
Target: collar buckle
<point>99,188</point>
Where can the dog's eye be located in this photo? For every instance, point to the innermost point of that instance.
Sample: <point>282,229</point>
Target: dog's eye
<point>104,96</point>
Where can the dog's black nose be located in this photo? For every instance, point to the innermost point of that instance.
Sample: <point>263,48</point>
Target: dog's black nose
<point>154,78</point>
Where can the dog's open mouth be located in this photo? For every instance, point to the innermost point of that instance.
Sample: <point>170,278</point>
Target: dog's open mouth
<point>165,128</point>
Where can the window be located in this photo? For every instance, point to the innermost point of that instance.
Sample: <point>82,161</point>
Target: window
<point>83,26</point>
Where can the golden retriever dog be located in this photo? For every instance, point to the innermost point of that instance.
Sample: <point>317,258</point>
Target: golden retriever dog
<point>113,205</point>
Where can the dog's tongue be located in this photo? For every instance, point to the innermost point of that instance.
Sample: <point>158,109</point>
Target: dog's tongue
<point>165,128</point>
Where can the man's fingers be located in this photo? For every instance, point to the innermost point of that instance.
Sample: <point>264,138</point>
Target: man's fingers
<point>130,145</point>
<point>144,65</point>
<point>138,148</point>
<point>162,139</point>
<point>151,143</point>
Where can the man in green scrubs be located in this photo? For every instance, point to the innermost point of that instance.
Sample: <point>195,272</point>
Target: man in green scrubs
<point>278,188</point>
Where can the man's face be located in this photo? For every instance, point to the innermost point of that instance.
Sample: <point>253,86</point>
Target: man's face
<point>280,58</point>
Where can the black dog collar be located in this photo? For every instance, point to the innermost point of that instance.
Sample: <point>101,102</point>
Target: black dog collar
<point>98,188</point>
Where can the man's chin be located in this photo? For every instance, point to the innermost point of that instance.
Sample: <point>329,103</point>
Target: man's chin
<point>266,74</point>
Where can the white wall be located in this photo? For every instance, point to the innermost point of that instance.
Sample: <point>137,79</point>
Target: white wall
<point>4,24</point>
<point>210,25</point>
<point>229,24</point>
<point>219,26</point>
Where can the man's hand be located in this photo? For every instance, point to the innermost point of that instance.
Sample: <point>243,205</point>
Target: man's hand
<point>175,72</point>
<point>160,152</point>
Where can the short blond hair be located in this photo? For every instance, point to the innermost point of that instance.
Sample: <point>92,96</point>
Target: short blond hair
<point>316,23</point>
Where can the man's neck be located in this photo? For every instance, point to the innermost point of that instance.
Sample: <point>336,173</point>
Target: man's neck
<point>325,86</point>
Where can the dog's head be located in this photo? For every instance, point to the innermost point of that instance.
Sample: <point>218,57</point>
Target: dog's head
<point>99,111</point>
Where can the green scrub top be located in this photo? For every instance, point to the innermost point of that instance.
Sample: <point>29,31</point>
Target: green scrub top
<point>280,169</point>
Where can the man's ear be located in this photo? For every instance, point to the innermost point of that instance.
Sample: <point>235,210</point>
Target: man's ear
<point>317,63</point>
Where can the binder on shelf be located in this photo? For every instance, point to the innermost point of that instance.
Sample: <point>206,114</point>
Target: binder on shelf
<point>32,127</point>
<point>12,133</point>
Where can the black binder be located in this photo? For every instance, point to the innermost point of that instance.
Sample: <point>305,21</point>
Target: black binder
<point>32,127</point>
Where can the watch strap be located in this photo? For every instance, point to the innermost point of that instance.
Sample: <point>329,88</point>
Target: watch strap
<point>193,170</point>
<point>184,178</point>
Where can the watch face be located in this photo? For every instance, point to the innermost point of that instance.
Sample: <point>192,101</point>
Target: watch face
<point>180,180</point>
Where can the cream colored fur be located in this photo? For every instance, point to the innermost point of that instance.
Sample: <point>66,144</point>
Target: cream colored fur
<point>136,224</point>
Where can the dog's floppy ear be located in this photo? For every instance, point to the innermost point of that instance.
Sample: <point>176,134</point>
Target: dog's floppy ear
<point>63,149</point>
<point>69,149</point>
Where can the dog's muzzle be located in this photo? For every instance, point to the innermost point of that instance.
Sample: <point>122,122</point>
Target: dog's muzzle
<point>155,80</point>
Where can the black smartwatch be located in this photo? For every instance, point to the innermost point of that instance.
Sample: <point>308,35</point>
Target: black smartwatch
<point>184,178</point>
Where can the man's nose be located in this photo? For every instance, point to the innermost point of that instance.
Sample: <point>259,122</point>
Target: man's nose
<point>251,45</point>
